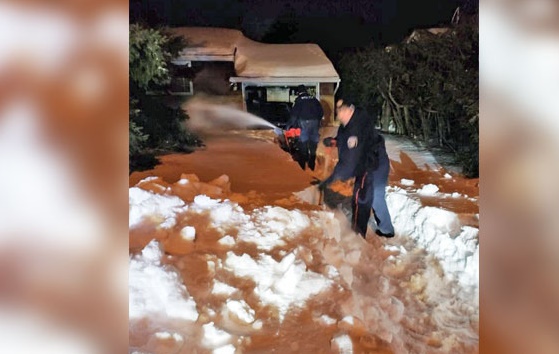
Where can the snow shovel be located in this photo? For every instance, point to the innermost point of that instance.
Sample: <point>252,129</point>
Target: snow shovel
<point>316,182</point>
<point>320,196</point>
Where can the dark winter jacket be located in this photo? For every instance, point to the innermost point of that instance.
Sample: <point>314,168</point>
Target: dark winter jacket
<point>306,107</point>
<point>358,147</point>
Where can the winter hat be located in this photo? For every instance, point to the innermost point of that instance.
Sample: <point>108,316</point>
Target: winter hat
<point>301,89</point>
<point>347,100</point>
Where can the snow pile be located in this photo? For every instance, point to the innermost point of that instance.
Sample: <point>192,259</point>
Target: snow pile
<point>148,205</point>
<point>440,233</point>
<point>281,284</point>
<point>252,271</point>
<point>157,290</point>
<point>159,305</point>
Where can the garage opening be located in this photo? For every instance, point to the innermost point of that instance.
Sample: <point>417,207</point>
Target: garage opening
<point>273,103</point>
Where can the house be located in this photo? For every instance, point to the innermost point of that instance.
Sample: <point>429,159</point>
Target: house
<point>267,74</point>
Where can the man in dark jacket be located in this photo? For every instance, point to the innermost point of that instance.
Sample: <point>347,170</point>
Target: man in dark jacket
<point>362,154</point>
<point>307,114</point>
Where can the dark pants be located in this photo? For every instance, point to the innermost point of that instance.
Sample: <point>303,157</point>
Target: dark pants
<point>308,142</point>
<point>369,192</point>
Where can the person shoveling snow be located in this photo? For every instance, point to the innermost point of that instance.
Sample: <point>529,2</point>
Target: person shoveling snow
<point>362,155</point>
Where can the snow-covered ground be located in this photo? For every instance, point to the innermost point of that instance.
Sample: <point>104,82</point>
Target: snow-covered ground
<point>210,276</point>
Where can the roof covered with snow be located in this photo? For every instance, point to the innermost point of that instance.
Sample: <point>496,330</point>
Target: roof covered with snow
<point>208,43</point>
<point>256,60</point>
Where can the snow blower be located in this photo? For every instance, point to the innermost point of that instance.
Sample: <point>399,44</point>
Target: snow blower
<point>288,139</point>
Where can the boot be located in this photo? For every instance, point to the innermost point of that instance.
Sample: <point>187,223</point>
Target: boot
<point>312,155</point>
<point>303,154</point>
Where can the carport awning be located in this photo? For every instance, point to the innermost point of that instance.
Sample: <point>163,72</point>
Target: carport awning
<point>283,80</point>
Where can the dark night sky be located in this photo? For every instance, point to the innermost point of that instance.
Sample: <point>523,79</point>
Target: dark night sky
<point>336,25</point>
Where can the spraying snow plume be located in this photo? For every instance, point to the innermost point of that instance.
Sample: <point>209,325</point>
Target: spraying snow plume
<point>208,117</point>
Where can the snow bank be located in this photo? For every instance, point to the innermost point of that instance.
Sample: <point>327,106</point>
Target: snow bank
<point>157,290</point>
<point>440,233</point>
<point>270,261</point>
<point>148,205</point>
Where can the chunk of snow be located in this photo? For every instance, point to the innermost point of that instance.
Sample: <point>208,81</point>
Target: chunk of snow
<point>220,288</point>
<point>226,241</point>
<point>214,337</point>
<point>228,349</point>
<point>188,233</point>
<point>429,189</point>
<point>205,202</point>
<point>407,182</point>
<point>327,320</point>
<point>281,284</point>
<point>342,344</point>
<point>241,310</point>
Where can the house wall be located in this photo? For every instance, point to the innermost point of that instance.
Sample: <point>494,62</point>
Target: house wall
<point>327,102</point>
<point>212,77</point>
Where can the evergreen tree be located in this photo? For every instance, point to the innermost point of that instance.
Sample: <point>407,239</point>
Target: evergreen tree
<point>426,89</point>
<point>154,126</point>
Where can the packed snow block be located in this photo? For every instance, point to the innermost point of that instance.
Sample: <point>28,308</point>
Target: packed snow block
<point>153,184</point>
<point>239,198</point>
<point>435,221</point>
<point>428,190</point>
<point>239,318</point>
<point>226,349</point>
<point>309,195</point>
<point>210,190</point>
<point>165,343</point>
<point>186,191</point>
<point>188,177</point>
<point>222,182</point>
<point>358,329</point>
<point>342,344</point>
<point>214,337</point>
<point>156,292</point>
<point>188,233</point>
<point>155,209</point>
<point>403,210</point>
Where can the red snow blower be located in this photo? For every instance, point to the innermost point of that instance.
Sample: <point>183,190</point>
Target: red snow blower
<point>289,139</point>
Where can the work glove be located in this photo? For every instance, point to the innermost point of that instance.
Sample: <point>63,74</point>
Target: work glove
<point>329,142</point>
